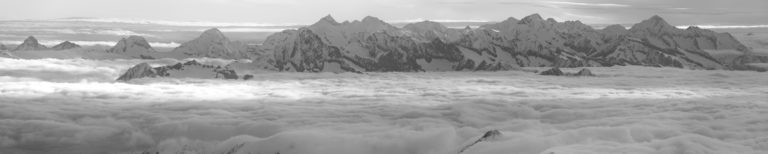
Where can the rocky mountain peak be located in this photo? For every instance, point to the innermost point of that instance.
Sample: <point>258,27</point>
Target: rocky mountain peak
<point>371,19</point>
<point>512,20</point>
<point>531,18</point>
<point>65,45</point>
<point>213,34</point>
<point>552,20</point>
<point>655,24</point>
<point>212,43</point>
<point>327,20</point>
<point>30,43</point>
<point>132,45</point>
<point>31,40</point>
<point>139,71</point>
<point>373,23</point>
<point>138,40</point>
<point>657,18</point>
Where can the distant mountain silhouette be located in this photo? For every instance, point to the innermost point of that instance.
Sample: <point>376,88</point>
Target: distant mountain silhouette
<point>30,44</point>
<point>65,45</point>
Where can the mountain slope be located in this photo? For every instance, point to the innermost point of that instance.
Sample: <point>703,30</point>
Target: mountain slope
<point>656,42</point>
<point>30,44</point>
<point>189,69</point>
<point>213,44</point>
<point>133,46</point>
<point>427,31</point>
<point>65,45</point>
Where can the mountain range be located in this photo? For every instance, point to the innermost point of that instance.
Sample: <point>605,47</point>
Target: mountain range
<point>372,45</point>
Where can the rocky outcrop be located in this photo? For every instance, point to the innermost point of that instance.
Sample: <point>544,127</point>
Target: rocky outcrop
<point>3,47</point>
<point>133,46</point>
<point>65,45</point>
<point>557,72</point>
<point>213,44</point>
<point>584,72</point>
<point>487,136</point>
<point>142,70</point>
<point>189,69</point>
<point>553,72</point>
<point>30,44</point>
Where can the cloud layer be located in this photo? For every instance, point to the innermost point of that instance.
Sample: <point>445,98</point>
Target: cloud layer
<point>259,12</point>
<point>626,109</point>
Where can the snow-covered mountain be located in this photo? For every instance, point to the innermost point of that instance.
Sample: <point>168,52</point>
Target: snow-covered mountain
<point>133,46</point>
<point>213,44</point>
<point>189,69</point>
<point>30,44</point>
<point>426,31</point>
<point>65,45</point>
<point>365,45</point>
<point>373,45</point>
<point>656,42</point>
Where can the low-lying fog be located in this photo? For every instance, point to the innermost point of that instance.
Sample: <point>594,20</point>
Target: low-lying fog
<point>74,106</point>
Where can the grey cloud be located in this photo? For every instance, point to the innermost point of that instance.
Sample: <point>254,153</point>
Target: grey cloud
<point>633,111</point>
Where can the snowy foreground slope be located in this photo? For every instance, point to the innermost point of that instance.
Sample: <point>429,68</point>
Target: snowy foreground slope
<point>629,109</point>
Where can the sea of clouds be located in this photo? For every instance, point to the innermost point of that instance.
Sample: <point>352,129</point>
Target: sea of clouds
<point>75,106</point>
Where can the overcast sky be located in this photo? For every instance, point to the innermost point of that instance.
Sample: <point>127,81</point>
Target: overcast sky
<point>678,12</point>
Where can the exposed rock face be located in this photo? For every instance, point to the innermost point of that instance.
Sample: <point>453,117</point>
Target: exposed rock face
<point>2,47</point>
<point>30,44</point>
<point>489,135</point>
<point>304,51</point>
<point>247,77</point>
<point>557,72</point>
<point>142,70</point>
<point>189,69</point>
<point>553,71</point>
<point>372,45</point>
<point>134,46</point>
<point>213,44</point>
<point>65,45</point>
<point>584,72</point>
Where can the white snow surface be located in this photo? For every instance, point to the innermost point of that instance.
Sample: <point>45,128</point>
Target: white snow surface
<point>74,106</point>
